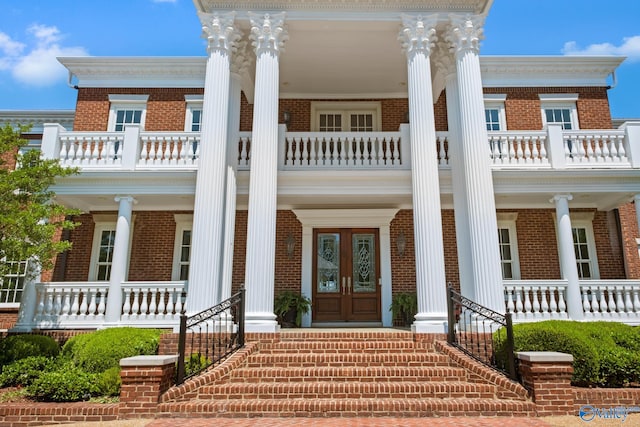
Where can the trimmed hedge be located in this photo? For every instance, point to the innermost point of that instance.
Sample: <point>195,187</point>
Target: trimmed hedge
<point>606,354</point>
<point>67,383</point>
<point>24,371</point>
<point>102,350</point>
<point>16,347</point>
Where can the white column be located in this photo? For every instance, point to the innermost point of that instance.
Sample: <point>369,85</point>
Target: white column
<point>205,272</point>
<point>119,260</point>
<point>567,256</point>
<point>268,36</point>
<point>417,37</point>
<point>447,66</point>
<point>238,67</point>
<point>29,300</point>
<point>464,35</point>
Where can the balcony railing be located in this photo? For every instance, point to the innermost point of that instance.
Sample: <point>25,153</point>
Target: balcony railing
<point>552,148</point>
<point>531,300</point>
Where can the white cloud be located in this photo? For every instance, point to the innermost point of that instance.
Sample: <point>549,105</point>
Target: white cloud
<point>630,47</point>
<point>36,64</point>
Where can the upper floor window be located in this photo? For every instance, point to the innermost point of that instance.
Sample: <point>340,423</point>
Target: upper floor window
<point>508,242</point>
<point>346,116</point>
<point>126,110</point>
<point>560,109</point>
<point>494,112</point>
<point>193,114</point>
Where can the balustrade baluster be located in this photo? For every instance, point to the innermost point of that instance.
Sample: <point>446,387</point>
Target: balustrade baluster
<point>595,308</point>
<point>553,305</point>
<point>75,305</point>
<point>441,153</point>
<point>526,293</point>
<point>512,149</point>
<point>586,305</point>
<point>527,150</point>
<point>84,305</point>
<point>397,154</point>
<point>543,150</point>
<point>92,303</point>
<point>40,298</point>
<point>144,153</point>
<point>183,152</point>
<point>494,146</point>
<point>604,307</point>
<point>101,301</point>
<point>135,307</point>
<point>535,149</point>
<point>103,151</point>
<point>636,301</point>
<point>62,155</point>
<point>582,156</point>
<point>144,304</point>
<point>152,295</point>
<point>510,305</point>
<point>611,302</point>
<point>519,151</point>
<point>605,143</point>
<point>66,305</point>
<point>592,148</point>
<point>622,153</point>
<point>162,295</point>
<point>612,143</point>
<point>196,156</point>
<point>57,304</point>
<point>48,308</point>
<point>628,303</point>
<point>244,154</point>
<point>94,152</point>
<point>535,305</point>
<point>289,145</point>
<point>387,158</point>
<point>126,306</point>
<point>562,306</point>
<point>152,151</point>
<point>177,292</point>
<point>519,305</point>
<point>619,301</point>
<point>544,301</point>
<point>174,151</point>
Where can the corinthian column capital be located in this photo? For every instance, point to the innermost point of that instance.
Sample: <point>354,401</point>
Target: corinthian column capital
<point>418,34</point>
<point>241,59</point>
<point>268,32</point>
<point>465,32</point>
<point>443,59</point>
<point>220,31</point>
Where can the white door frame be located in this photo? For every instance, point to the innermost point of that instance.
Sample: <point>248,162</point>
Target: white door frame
<point>347,218</point>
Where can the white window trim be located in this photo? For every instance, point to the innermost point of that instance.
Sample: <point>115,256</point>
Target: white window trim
<point>560,100</point>
<point>583,220</point>
<point>508,220</point>
<point>496,101</point>
<point>28,278</point>
<point>183,222</point>
<point>345,108</point>
<point>194,102</point>
<point>104,222</point>
<point>120,102</point>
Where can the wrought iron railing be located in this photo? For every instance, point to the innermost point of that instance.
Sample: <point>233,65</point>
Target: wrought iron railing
<point>482,333</point>
<point>214,335</point>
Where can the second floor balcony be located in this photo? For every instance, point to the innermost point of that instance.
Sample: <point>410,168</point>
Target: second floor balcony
<point>552,148</point>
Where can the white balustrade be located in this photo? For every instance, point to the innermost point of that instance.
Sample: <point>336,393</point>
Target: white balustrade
<point>617,300</point>
<point>91,148</point>
<point>595,148</point>
<point>518,148</point>
<point>531,300</point>
<point>83,304</point>
<point>162,149</point>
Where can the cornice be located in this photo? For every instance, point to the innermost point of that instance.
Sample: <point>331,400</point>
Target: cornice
<point>469,6</point>
<point>36,118</point>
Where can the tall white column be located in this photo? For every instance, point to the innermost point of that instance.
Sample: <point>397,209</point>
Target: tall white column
<point>119,260</point>
<point>568,256</point>
<point>268,36</point>
<point>205,272</point>
<point>464,34</point>
<point>417,37</point>
<point>238,67</point>
<point>447,66</point>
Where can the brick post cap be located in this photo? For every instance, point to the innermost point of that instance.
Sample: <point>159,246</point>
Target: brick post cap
<point>545,356</point>
<point>149,360</point>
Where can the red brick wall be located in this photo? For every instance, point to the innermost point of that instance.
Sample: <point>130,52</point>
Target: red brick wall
<point>152,246</point>
<point>629,228</point>
<point>166,107</point>
<point>523,110</point>
<point>79,257</point>
<point>239,250</point>
<point>608,246</point>
<point>8,317</point>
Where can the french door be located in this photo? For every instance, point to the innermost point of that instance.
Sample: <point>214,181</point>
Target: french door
<point>346,271</point>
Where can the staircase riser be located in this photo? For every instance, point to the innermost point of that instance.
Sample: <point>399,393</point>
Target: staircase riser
<point>293,379</point>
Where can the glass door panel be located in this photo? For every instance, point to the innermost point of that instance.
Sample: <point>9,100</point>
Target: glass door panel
<point>328,263</point>
<point>364,263</point>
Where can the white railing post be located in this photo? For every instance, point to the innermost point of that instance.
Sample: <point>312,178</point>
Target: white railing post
<point>131,147</point>
<point>51,140</point>
<point>555,148</point>
<point>631,142</point>
<point>405,145</point>
<point>282,141</point>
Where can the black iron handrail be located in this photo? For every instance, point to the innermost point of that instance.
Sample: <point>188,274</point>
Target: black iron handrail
<point>478,331</point>
<point>216,333</point>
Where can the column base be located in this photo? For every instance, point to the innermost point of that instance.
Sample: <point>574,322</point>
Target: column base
<point>430,323</point>
<point>22,328</point>
<point>261,322</point>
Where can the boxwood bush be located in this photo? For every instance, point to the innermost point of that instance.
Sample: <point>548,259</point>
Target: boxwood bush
<point>24,371</point>
<point>16,347</point>
<point>66,383</point>
<point>102,350</point>
<point>606,354</point>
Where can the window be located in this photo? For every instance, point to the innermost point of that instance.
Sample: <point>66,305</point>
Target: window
<point>104,237</point>
<point>126,110</point>
<point>508,242</point>
<point>346,116</point>
<point>182,247</point>
<point>494,112</point>
<point>561,109</point>
<point>193,114</point>
<point>13,283</point>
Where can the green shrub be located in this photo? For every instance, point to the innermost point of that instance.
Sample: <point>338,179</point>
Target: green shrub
<point>102,350</point>
<point>195,364</point>
<point>109,382</point>
<point>24,371</point>
<point>16,347</point>
<point>66,384</point>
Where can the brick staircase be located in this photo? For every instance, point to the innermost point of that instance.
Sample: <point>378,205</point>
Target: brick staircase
<point>347,373</point>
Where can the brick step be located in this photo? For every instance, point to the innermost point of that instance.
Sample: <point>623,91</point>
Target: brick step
<point>348,390</point>
<point>340,346</point>
<point>349,374</point>
<point>428,407</point>
<point>344,335</point>
<point>260,360</point>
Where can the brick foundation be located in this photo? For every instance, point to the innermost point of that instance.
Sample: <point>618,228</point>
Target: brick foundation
<point>144,380</point>
<point>547,376</point>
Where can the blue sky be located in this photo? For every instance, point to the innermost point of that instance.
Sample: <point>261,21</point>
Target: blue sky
<point>34,32</point>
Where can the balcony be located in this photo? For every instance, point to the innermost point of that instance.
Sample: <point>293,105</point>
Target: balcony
<point>136,150</point>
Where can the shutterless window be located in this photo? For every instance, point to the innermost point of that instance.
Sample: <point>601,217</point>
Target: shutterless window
<point>492,118</point>
<point>560,116</point>
<point>12,284</point>
<point>583,254</point>
<point>185,254</point>
<point>329,122</point>
<point>105,254</point>
<point>196,120</point>
<point>127,117</point>
<point>506,255</point>
<point>361,122</point>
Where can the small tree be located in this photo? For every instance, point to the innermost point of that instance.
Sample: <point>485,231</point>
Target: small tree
<point>29,216</point>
